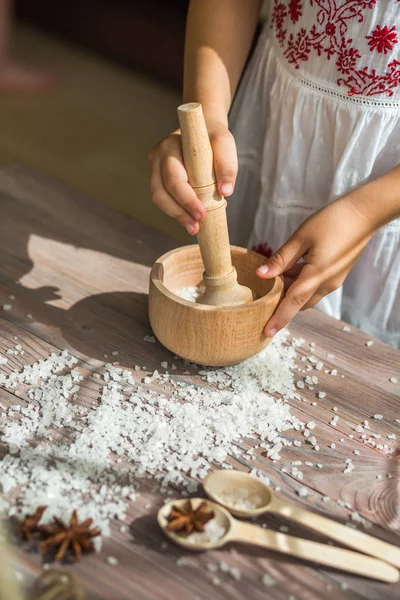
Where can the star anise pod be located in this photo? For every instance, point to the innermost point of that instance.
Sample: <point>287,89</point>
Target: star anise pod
<point>29,525</point>
<point>76,537</point>
<point>188,519</point>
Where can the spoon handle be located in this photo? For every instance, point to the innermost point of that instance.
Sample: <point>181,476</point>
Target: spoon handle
<point>353,538</point>
<point>346,560</point>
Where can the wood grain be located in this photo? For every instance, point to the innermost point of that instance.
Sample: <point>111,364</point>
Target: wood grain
<point>80,270</point>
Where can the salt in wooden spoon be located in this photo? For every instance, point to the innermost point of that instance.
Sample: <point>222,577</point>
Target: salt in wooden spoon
<point>226,528</point>
<point>222,485</point>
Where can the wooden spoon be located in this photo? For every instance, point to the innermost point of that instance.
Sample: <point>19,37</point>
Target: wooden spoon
<point>220,277</point>
<point>221,485</point>
<point>232,530</point>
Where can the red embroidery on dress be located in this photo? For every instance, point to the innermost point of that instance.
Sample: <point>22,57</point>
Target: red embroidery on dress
<point>263,249</point>
<point>295,10</point>
<point>383,39</point>
<point>328,37</point>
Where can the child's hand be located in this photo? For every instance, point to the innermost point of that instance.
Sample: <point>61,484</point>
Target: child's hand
<point>169,185</point>
<point>329,242</point>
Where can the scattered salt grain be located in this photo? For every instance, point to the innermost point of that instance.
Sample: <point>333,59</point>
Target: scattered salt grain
<point>311,425</point>
<point>267,580</point>
<point>183,562</point>
<point>303,492</point>
<point>378,417</point>
<point>369,343</point>
<point>333,446</point>
<point>356,452</point>
<point>7,307</point>
<point>300,384</point>
<point>346,328</point>
<point>321,395</point>
<point>29,316</point>
<point>112,561</point>
<point>393,379</point>
<point>149,338</point>
<point>164,364</point>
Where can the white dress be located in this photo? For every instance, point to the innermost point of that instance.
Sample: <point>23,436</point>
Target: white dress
<point>318,114</point>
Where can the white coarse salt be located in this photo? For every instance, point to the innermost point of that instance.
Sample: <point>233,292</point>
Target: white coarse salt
<point>240,498</point>
<point>300,384</point>
<point>170,434</point>
<point>267,580</point>
<point>356,452</point>
<point>311,425</point>
<point>391,436</point>
<point>319,366</point>
<point>378,417</point>
<point>393,379</point>
<point>346,328</point>
<point>7,307</point>
<point>369,343</point>
<point>303,492</point>
<point>190,293</point>
<point>149,338</point>
<point>321,395</point>
<point>333,446</point>
<point>112,561</point>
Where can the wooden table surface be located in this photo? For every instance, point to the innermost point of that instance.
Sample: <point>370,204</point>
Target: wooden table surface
<point>81,271</point>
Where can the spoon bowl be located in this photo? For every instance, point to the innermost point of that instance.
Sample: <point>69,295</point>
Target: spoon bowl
<point>240,493</point>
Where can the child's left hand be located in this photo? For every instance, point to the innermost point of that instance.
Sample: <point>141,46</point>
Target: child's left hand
<point>329,242</point>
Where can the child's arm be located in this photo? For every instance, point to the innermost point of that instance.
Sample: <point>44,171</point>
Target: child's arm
<point>218,40</point>
<point>330,242</point>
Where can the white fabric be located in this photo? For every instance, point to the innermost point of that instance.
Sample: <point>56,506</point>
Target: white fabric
<point>305,138</point>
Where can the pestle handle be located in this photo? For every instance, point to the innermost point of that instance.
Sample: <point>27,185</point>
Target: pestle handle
<point>220,278</point>
<point>219,274</point>
<point>196,146</point>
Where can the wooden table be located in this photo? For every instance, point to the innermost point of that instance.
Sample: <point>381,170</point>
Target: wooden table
<point>81,271</point>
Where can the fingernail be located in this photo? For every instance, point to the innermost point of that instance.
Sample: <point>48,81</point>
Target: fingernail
<point>271,332</point>
<point>226,189</point>
<point>191,228</point>
<point>263,269</point>
<point>197,216</point>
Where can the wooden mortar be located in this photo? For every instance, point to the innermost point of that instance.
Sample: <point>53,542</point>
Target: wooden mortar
<point>225,325</point>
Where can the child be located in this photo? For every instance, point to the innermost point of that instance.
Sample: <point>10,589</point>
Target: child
<point>317,125</point>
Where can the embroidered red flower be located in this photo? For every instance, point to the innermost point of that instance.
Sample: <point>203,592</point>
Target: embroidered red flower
<point>263,249</point>
<point>295,10</point>
<point>347,59</point>
<point>330,29</point>
<point>382,39</point>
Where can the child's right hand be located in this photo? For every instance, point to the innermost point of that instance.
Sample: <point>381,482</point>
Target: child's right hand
<point>169,185</point>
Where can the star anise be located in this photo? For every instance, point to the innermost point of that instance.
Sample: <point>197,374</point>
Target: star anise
<point>29,525</point>
<point>187,519</point>
<point>74,537</point>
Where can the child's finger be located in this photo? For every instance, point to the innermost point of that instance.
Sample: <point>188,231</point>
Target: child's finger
<point>297,296</point>
<point>284,259</point>
<point>167,203</point>
<point>225,161</point>
<point>175,181</point>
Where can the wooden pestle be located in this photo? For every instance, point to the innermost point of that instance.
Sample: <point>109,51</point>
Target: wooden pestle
<point>220,277</point>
